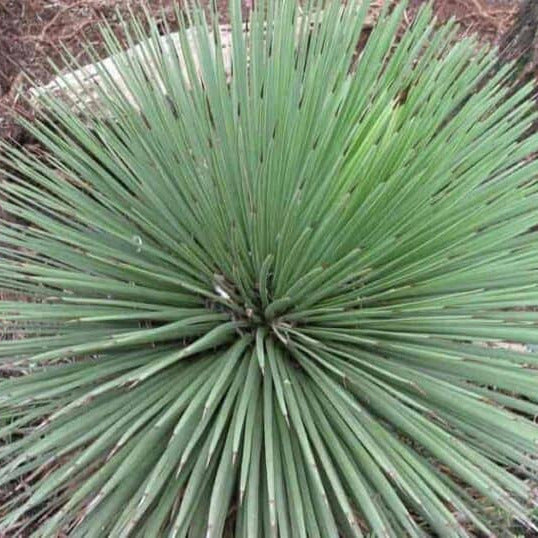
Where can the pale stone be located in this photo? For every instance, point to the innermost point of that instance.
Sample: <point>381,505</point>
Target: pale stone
<point>80,88</point>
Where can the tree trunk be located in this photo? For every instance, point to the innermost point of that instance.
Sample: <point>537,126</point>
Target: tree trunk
<point>520,43</point>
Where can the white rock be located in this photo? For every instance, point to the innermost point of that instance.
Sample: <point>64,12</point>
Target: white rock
<point>80,88</point>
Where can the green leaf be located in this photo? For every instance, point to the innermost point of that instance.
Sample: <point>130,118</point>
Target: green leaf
<point>281,281</point>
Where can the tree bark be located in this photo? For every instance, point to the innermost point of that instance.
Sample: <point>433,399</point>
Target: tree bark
<point>520,43</point>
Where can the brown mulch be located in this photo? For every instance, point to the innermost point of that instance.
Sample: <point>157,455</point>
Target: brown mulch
<point>490,19</point>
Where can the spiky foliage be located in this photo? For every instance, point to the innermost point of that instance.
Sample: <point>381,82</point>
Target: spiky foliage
<point>265,304</point>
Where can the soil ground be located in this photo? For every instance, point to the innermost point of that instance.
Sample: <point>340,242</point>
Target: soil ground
<point>33,31</point>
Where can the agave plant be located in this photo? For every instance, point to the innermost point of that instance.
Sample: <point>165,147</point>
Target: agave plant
<point>269,302</point>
